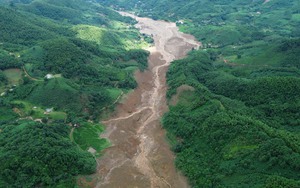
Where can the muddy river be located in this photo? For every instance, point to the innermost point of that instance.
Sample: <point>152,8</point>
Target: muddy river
<point>139,155</point>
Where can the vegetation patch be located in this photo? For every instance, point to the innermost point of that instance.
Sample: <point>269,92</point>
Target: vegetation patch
<point>114,93</point>
<point>236,149</point>
<point>58,115</point>
<point>27,109</point>
<point>90,33</point>
<point>13,75</point>
<point>87,136</point>
<point>296,17</point>
<point>38,154</point>
<point>6,114</point>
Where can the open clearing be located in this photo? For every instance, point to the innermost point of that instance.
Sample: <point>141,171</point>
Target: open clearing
<point>13,76</point>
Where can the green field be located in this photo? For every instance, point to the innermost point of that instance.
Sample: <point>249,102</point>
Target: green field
<point>36,112</point>
<point>114,93</point>
<point>90,33</point>
<point>296,17</point>
<point>58,115</point>
<point>88,136</point>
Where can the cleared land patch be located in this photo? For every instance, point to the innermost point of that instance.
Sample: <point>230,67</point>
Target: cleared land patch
<point>13,76</point>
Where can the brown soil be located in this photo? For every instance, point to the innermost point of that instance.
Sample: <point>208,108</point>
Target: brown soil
<point>139,155</point>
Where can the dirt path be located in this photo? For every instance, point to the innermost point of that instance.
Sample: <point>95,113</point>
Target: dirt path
<point>26,73</point>
<point>71,134</point>
<point>139,155</point>
<point>118,98</point>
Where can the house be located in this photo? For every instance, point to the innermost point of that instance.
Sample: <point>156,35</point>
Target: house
<point>180,22</point>
<point>49,76</point>
<point>48,110</point>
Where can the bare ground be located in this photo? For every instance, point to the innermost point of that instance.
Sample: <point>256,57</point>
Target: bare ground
<point>139,155</point>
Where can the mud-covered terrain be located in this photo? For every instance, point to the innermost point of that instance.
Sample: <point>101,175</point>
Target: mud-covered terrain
<point>139,155</point>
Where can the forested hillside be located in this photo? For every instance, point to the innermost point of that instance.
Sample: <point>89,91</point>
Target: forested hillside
<point>239,127</point>
<point>234,104</point>
<point>63,64</point>
<point>222,22</point>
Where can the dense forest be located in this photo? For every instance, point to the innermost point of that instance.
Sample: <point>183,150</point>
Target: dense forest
<point>63,64</point>
<point>239,126</point>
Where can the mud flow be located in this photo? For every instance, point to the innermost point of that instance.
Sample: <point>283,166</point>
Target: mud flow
<point>139,155</point>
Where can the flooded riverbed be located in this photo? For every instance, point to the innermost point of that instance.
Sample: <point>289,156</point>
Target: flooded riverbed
<point>140,155</point>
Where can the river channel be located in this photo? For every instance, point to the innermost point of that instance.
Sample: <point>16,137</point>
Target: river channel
<point>139,155</point>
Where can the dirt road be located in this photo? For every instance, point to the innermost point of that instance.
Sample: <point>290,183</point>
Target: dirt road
<point>139,155</point>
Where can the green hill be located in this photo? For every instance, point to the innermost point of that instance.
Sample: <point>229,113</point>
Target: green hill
<point>61,63</point>
<point>15,30</point>
<point>240,126</point>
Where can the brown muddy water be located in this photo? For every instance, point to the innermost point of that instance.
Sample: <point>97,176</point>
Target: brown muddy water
<point>139,155</point>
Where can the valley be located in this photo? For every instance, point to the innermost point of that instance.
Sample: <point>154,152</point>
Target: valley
<point>139,155</point>
<point>120,93</point>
